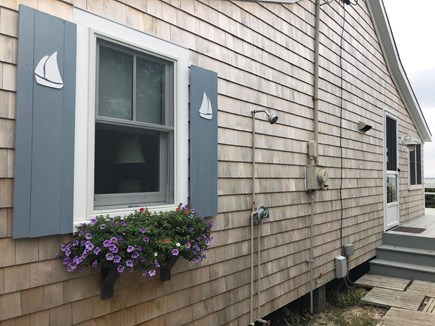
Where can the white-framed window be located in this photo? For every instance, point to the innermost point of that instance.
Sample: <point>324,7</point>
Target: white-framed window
<point>131,122</point>
<point>415,165</point>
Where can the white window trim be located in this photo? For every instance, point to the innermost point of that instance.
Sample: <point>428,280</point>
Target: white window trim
<point>89,27</point>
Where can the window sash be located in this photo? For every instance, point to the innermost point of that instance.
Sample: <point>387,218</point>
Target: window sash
<point>165,128</point>
<point>415,165</point>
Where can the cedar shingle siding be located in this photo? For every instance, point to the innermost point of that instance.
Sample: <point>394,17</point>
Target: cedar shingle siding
<point>263,55</point>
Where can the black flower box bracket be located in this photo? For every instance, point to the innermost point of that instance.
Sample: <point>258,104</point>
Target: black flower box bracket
<point>108,276</point>
<point>165,271</point>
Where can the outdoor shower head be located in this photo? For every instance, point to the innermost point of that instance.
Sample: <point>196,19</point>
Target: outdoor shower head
<point>272,118</point>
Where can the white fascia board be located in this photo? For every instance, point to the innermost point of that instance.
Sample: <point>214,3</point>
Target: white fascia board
<point>397,72</point>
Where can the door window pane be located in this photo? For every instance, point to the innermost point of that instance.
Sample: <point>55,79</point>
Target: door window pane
<point>391,144</point>
<point>115,84</point>
<point>391,188</point>
<point>150,91</point>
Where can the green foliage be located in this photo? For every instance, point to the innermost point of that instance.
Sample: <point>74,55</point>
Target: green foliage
<point>361,320</point>
<point>293,318</point>
<point>143,241</point>
<point>345,298</point>
<point>430,199</point>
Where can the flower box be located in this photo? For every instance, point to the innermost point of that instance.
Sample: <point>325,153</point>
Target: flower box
<point>141,241</point>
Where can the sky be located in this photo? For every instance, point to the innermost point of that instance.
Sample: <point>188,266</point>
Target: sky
<point>413,26</point>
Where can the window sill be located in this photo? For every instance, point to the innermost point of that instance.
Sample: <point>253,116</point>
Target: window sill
<point>122,212</point>
<point>415,187</point>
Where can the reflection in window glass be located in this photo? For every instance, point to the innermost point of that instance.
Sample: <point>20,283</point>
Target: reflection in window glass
<point>149,92</point>
<point>115,78</point>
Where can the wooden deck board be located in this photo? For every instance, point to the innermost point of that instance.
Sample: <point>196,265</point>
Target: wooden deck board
<point>392,298</point>
<point>428,306</point>
<point>371,281</point>
<point>431,306</point>
<point>402,317</point>
<point>428,288</point>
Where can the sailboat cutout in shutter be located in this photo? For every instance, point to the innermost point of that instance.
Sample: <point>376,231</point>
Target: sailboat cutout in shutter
<point>47,72</point>
<point>206,109</point>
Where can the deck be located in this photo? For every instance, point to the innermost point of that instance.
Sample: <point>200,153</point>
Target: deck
<point>408,250</point>
<point>409,302</point>
<point>424,223</point>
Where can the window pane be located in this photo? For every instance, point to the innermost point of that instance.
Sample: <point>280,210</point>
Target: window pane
<point>391,188</point>
<point>418,160</point>
<point>150,91</point>
<point>412,167</point>
<point>127,160</point>
<point>115,84</point>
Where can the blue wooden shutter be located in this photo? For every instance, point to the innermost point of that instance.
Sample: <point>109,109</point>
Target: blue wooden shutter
<point>44,136</point>
<point>203,141</point>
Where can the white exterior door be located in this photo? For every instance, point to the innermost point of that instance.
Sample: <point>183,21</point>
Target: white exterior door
<point>391,176</point>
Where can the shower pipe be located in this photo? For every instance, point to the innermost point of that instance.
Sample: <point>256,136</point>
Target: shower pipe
<point>271,118</point>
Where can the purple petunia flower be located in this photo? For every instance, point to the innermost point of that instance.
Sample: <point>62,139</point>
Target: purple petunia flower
<point>95,263</point>
<point>81,232</point>
<point>88,236</point>
<point>191,230</point>
<point>175,252</point>
<point>139,248</point>
<point>93,221</point>
<point>143,230</point>
<point>116,259</point>
<point>113,239</point>
<point>109,256</point>
<point>123,223</point>
<point>129,263</point>
<point>71,268</point>
<point>152,273</point>
<point>146,240</point>
<point>75,243</point>
<point>97,250</point>
<point>89,245</point>
<point>102,226</point>
<point>113,248</point>
<point>130,248</point>
<point>134,255</point>
<point>120,268</point>
<point>144,273</point>
<point>156,263</point>
<point>106,243</point>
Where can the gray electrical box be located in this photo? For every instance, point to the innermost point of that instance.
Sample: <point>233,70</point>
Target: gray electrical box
<point>316,177</point>
<point>340,266</point>
<point>348,249</point>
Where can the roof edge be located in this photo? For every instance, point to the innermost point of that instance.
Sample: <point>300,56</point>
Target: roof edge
<point>398,74</point>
